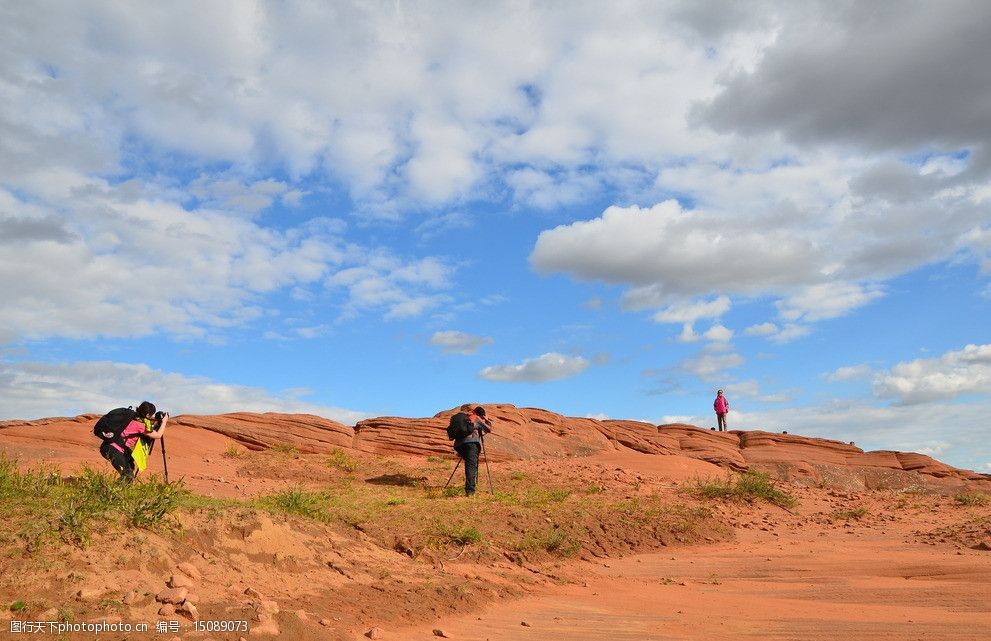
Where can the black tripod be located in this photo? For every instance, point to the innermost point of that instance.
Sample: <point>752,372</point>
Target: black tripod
<point>461,458</point>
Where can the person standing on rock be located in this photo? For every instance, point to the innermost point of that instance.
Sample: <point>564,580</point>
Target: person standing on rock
<point>721,405</point>
<point>468,444</point>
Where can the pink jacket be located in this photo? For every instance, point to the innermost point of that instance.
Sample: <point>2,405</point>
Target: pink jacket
<point>721,405</point>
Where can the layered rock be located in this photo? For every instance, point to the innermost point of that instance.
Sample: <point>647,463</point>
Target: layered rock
<point>533,433</point>
<point>307,433</point>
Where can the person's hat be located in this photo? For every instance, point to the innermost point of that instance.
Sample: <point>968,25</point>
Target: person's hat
<point>480,411</point>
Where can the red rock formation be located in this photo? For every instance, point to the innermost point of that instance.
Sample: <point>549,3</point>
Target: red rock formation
<point>307,433</point>
<point>532,433</point>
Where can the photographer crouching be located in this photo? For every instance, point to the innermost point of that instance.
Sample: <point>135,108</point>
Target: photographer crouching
<point>128,437</point>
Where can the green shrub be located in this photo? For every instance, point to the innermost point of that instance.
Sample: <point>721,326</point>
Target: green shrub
<point>342,460</point>
<point>748,486</point>
<point>975,499</point>
<point>296,501</point>
<point>466,535</point>
<point>849,515</point>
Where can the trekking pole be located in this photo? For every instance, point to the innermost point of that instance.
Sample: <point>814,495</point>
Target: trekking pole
<point>482,439</point>
<point>165,461</point>
<point>452,473</point>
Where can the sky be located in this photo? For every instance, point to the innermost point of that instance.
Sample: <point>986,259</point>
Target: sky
<point>361,209</point>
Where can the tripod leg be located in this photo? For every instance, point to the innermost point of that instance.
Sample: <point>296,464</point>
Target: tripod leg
<point>165,461</point>
<point>491,491</point>
<point>452,473</point>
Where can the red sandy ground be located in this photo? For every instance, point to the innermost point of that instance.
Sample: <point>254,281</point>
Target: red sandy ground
<point>911,568</point>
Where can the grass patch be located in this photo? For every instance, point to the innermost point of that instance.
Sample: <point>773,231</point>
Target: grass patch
<point>748,486</point>
<point>234,451</point>
<point>849,515</point>
<point>296,501</point>
<point>341,460</point>
<point>466,536</point>
<point>972,499</point>
<point>18,606</point>
<point>286,449</point>
<point>552,540</point>
<point>49,509</point>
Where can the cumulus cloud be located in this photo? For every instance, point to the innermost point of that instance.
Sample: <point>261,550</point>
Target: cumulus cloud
<point>719,334</point>
<point>691,312</point>
<point>546,367</point>
<point>193,271</point>
<point>710,364</point>
<point>35,390</point>
<point>844,73</point>
<point>636,246</point>
<point>967,371</point>
<point>826,300</point>
<point>454,342</point>
<point>762,329</point>
<point>849,373</point>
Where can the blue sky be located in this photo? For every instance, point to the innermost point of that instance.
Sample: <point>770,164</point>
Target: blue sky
<point>363,209</point>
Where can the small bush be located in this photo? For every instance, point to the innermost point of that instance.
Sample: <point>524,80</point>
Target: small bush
<point>552,540</point>
<point>342,461</point>
<point>296,501</point>
<point>234,451</point>
<point>972,499</point>
<point>849,515</point>
<point>466,535</point>
<point>748,486</point>
<point>286,449</point>
<point>18,606</point>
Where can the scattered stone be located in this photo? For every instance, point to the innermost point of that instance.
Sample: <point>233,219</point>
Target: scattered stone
<point>172,595</point>
<point>166,610</point>
<point>128,599</point>
<point>525,624</point>
<point>375,633</point>
<point>190,570</point>
<point>302,616</point>
<point>440,633</point>
<point>88,594</point>
<point>326,622</point>
<point>189,610</point>
<point>983,545</point>
<point>179,581</point>
<point>50,614</point>
<point>253,593</point>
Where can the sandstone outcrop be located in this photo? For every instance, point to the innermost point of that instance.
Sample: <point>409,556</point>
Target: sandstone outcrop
<point>533,433</point>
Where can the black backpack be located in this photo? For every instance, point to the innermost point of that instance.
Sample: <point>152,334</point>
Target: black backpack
<point>111,424</point>
<point>459,427</point>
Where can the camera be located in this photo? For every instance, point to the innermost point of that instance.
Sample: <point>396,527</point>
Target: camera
<point>160,415</point>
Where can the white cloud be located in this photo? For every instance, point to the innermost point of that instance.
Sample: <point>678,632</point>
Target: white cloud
<point>719,334</point>
<point>544,368</point>
<point>711,364</point>
<point>763,329</point>
<point>691,312</point>
<point>967,371</point>
<point>36,390</point>
<point>827,300</point>
<point>454,342</point>
<point>233,195</point>
<point>384,282</point>
<point>688,334</point>
<point>853,372</point>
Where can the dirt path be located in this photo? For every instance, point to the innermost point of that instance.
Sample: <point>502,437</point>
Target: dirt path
<point>794,586</point>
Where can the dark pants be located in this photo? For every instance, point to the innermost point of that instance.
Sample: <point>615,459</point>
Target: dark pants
<point>721,419</point>
<point>469,452</point>
<point>121,461</point>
